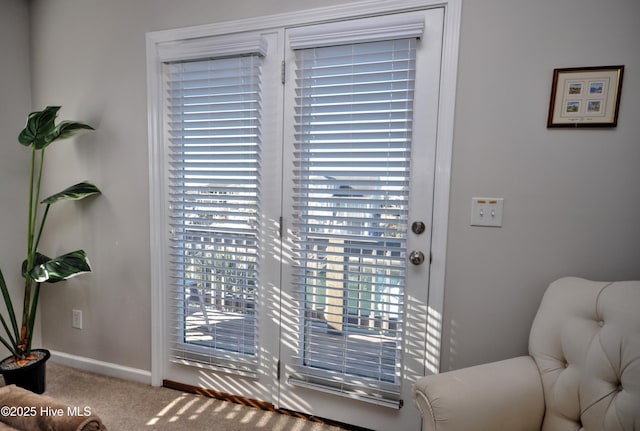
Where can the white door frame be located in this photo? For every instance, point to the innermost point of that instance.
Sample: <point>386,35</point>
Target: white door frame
<point>442,179</point>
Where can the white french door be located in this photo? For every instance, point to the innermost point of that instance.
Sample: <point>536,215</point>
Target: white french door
<point>362,122</point>
<point>222,190</point>
<point>295,213</point>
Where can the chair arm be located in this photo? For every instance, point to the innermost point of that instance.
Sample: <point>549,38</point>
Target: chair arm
<point>504,395</point>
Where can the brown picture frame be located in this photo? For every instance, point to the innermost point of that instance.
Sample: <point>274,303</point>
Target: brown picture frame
<point>585,97</point>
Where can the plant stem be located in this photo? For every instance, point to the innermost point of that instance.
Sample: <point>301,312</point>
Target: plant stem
<point>35,199</point>
<point>31,290</point>
<point>26,318</point>
<point>32,207</point>
<point>32,318</point>
<point>44,218</point>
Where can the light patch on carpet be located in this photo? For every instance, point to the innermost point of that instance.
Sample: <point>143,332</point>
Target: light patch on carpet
<point>125,405</point>
<point>163,412</point>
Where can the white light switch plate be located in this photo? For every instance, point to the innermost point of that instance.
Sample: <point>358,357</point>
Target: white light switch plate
<point>487,211</point>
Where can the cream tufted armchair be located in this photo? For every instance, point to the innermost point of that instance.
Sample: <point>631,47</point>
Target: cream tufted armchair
<point>582,372</point>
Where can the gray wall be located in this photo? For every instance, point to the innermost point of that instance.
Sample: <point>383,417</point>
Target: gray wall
<point>15,103</point>
<point>571,196</point>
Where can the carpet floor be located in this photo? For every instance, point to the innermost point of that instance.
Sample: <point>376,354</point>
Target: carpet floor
<point>131,406</point>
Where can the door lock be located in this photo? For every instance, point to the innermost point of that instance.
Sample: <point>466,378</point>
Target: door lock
<point>416,257</point>
<point>418,227</point>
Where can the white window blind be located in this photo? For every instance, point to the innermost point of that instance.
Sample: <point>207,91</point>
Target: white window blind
<point>213,110</point>
<point>353,144</point>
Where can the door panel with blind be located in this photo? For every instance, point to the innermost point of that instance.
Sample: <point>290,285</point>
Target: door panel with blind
<point>362,169</point>
<point>222,203</point>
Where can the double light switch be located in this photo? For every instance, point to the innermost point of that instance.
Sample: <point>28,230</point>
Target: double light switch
<point>487,211</point>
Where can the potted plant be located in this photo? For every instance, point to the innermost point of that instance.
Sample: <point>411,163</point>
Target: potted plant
<point>25,366</point>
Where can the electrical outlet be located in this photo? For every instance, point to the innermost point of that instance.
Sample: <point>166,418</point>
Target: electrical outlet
<point>76,319</point>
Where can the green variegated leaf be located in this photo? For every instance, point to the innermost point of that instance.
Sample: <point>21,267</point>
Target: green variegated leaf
<point>75,192</point>
<point>68,128</point>
<point>61,268</point>
<point>39,259</point>
<point>41,129</point>
<point>12,332</point>
<point>40,126</point>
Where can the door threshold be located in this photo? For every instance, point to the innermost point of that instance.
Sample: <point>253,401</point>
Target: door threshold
<point>262,405</point>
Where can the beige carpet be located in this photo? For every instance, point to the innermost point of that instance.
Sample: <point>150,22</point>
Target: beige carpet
<point>131,406</point>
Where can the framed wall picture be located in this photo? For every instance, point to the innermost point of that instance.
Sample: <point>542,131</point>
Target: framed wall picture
<point>585,97</point>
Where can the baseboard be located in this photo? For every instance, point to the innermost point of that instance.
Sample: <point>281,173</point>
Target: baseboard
<point>101,367</point>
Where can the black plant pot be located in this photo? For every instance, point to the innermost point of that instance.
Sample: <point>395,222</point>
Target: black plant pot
<point>31,377</point>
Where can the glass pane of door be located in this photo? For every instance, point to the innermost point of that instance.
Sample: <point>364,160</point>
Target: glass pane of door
<point>215,113</point>
<point>353,154</point>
